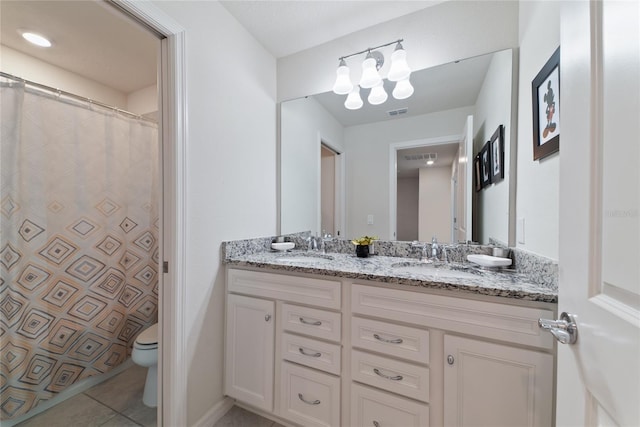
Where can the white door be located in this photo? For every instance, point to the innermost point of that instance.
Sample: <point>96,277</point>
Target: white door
<point>599,376</point>
<point>465,190</point>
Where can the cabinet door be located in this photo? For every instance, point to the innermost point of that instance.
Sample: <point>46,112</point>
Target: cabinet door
<point>373,408</point>
<point>489,384</point>
<point>249,352</point>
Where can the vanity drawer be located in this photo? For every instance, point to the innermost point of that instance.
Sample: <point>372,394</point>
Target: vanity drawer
<point>399,377</point>
<point>395,340</point>
<point>370,407</point>
<point>308,397</point>
<point>311,321</point>
<point>312,353</point>
<point>504,322</point>
<point>303,290</point>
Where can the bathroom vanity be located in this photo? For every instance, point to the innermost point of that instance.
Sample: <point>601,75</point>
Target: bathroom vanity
<point>330,340</point>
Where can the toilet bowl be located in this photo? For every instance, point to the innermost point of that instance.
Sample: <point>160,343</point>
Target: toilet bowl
<point>145,353</point>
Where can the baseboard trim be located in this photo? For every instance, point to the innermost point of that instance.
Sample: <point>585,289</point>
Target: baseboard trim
<point>214,414</point>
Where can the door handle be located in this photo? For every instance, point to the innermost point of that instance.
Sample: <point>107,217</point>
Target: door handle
<point>565,329</point>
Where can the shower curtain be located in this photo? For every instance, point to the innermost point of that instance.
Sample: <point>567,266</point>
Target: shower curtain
<point>78,241</point>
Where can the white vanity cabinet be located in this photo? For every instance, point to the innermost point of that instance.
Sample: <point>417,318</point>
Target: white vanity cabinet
<point>249,350</point>
<point>488,363</point>
<point>324,352</point>
<point>283,345</point>
<point>494,384</point>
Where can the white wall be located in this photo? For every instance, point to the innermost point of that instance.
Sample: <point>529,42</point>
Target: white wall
<point>367,164</point>
<point>408,194</point>
<point>436,35</point>
<point>493,108</point>
<point>328,191</point>
<point>29,68</point>
<point>538,181</point>
<point>304,122</point>
<point>231,167</point>
<point>143,101</point>
<point>435,204</point>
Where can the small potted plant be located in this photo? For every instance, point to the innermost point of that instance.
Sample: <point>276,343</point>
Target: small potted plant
<point>362,245</point>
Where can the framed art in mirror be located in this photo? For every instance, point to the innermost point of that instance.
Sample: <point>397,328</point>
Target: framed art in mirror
<point>497,155</point>
<point>477,172</point>
<point>545,94</point>
<point>485,164</point>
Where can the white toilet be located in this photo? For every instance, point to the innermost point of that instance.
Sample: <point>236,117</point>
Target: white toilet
<point>145,353</point>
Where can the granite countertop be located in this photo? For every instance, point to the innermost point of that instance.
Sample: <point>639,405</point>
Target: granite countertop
<point>385,269</point>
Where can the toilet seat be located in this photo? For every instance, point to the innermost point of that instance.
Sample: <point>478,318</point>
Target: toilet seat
<point>148,339</point>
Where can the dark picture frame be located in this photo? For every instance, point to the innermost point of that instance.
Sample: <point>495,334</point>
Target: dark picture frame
<point>545,96</point>
<point>485,164</point>
<point>497,155</point>
<point>477,172</point>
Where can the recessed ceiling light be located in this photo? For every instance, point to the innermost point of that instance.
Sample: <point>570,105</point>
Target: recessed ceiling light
<point>36,39</point>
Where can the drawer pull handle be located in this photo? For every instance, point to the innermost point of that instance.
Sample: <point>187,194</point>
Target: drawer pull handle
<point>395,341</point>
<point>376,424</point>
<point>304,353</point>
<point>396,378</point>
<point>306,322</point>
<point>308,402</point>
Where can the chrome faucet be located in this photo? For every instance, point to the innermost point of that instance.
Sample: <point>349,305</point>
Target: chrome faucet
<point>326,237</point>
<point>312,242</point>
<point>435,248</point>
<point>423,246</point>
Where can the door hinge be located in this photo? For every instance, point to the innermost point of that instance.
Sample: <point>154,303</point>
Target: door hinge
<point>165,266</point>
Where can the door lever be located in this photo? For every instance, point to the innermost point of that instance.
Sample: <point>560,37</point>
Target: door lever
<point>565,329</point>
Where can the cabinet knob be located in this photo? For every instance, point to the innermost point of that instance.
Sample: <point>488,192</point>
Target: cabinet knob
<point>267,317</point>
<point>450,359</point>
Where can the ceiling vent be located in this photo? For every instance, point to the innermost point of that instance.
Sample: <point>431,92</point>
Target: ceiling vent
<point>398,111</point>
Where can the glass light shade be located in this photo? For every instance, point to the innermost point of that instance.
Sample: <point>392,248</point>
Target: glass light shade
<point>353,101</point>
<point>370,76</point>
<point>377,95</point>
<point>399,68</point>
<point>343,84</point>
<point>403,89</point>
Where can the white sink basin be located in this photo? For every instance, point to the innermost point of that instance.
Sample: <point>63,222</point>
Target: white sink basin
<point>437,270</point>
<point>304,259</point>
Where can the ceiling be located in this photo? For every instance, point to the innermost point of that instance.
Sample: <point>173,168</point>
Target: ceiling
<point>411,160</point>
<point>89,38</point>
<point>288,27</point>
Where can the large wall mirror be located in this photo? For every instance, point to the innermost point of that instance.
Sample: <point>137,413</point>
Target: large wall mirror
<point>365,172</point>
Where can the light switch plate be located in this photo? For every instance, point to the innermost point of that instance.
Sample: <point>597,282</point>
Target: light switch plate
<point>369,219</point>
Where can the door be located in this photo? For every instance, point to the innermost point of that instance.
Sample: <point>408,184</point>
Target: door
<point>249,350</point>
<point>487,384</point>
<point>464,190</point>
<point>599,375</point>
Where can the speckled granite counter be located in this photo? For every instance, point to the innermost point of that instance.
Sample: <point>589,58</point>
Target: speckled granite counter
<point>387,269</point>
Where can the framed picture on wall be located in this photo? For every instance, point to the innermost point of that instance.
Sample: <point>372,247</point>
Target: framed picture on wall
<point>485,164</point>
<point>477,172</point>
<point>497,155</point>
<point>545,93</point>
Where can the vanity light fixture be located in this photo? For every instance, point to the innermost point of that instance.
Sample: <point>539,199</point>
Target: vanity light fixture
<point>353,101</point>
<point>36,39</point>
<point>371,79</point>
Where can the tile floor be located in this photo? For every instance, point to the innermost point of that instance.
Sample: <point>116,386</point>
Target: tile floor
<point>238,417</point>
<point>116,402</point>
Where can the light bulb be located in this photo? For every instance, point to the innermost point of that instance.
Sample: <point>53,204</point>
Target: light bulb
<point>403,89</point>
<point>370,76</point>
<point>353,101</point>
<point>36,39</point>
<point>399,68</point>
<point>430,162</point>
<point>377,95</point>
<point>343,83</point>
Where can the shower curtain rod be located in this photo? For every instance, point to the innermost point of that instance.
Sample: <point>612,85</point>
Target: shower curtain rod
<point>73,95</point>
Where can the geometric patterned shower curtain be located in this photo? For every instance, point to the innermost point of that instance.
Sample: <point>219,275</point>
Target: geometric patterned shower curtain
<point>78,242</point>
